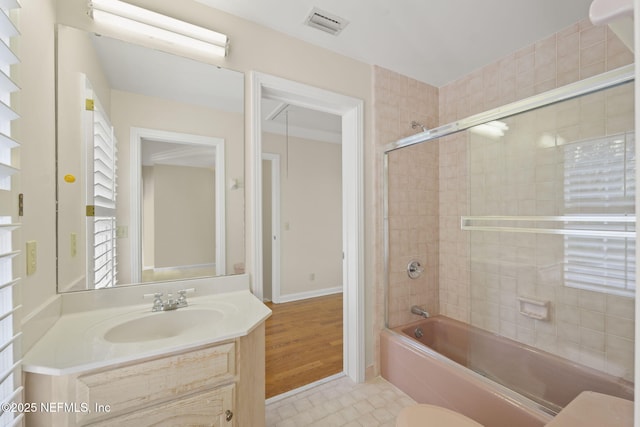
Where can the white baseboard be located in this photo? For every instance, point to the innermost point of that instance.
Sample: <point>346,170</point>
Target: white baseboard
<point>305,295</point>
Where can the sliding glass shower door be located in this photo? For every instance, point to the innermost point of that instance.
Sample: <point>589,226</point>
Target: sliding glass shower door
<point>552,235</point>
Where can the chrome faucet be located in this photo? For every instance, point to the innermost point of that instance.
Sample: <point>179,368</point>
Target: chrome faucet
<point>415,309</point>
<point>170,303</point>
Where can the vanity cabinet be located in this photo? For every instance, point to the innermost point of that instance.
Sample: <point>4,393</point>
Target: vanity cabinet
<point>220,384</point>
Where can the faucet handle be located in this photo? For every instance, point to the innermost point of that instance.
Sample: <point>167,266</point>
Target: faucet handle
<point>154,295</point>
<point>157,300</point>
<point>182,299</point>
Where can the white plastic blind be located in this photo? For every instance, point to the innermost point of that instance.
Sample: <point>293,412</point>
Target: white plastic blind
<point>599,179</point>
<point>102,162</point>
<point>10,353</point>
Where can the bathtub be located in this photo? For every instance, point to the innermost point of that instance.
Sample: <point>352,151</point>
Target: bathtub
<point>494,380</point>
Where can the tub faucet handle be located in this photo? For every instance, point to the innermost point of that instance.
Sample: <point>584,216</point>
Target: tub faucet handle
<point>415,269</point>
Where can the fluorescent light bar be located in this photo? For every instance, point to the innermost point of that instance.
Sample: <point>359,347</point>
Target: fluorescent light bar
<point>157,26</point>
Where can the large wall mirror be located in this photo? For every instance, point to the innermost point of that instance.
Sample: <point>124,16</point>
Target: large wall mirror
<point>150,161</point>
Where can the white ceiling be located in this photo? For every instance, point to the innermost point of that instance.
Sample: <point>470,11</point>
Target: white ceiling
<point>434,41</point>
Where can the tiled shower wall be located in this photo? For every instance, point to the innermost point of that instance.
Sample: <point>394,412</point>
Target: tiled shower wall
<point>581,50</point>
<point>413,182</point>
<point>413,230</point>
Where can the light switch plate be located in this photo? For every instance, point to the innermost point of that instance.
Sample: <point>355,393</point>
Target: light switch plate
<point>122,232</point>
<point>32,257</point>
<point>73,243</point>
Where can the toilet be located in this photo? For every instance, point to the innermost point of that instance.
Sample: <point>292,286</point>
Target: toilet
<point>423,415</point>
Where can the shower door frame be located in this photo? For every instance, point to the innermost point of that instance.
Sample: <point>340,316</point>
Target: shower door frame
<point>589,85</point>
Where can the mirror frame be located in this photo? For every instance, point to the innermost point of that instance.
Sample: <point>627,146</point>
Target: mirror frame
<point>135,225</point>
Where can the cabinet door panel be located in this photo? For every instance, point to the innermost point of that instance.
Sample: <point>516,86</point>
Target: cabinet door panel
<point>202,409</point>
<point>161,379</point>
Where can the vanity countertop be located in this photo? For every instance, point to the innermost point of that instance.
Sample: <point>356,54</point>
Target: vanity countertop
<point>77,343</point>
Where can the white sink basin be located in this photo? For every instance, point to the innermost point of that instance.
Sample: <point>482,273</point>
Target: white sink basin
<point>161,325</point>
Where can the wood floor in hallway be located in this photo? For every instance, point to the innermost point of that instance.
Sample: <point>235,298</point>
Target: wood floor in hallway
<point>303,343</point>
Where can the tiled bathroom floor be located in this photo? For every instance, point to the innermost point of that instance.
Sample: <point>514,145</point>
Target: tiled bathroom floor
<point>340,402</point>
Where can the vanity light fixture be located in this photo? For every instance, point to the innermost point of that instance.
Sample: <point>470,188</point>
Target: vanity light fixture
<point>157,26</point>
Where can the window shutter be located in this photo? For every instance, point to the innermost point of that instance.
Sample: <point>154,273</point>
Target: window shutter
<point>10,353</point>
<point>102,174</point>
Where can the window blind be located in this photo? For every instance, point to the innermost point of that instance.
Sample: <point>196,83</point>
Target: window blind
<point>10,352</point>
<point>599,179</point>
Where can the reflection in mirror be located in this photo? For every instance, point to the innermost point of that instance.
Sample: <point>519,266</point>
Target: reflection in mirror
<point>132,205</point>
<point>182,176</point>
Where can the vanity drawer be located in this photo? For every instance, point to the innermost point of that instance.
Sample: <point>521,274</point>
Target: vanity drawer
<point>203,409</point>
<point>144,383</point>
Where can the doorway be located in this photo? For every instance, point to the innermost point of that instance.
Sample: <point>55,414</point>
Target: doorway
<point>302,245</point>
<point>301,202</point>
<point>351,112</point>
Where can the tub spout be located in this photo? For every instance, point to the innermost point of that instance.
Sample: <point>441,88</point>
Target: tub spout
<point>419,311</point>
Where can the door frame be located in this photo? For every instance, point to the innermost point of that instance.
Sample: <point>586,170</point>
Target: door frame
<point>352,112</point>
<point>276,234</point>
<point>135,227</point>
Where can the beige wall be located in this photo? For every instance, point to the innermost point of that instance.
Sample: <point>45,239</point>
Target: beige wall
<point>311,213</point>
<point>184,216</point>
<point>36,131</point>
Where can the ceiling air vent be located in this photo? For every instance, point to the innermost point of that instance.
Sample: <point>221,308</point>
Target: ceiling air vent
<point>326,21</point>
